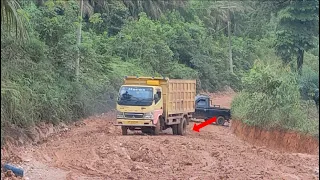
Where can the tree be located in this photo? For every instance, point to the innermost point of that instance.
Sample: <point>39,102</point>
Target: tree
<point>153,8</point>
<point>10,17</point>
<point>297,26</point>
<point>218,15</point>
<point>79,42</point>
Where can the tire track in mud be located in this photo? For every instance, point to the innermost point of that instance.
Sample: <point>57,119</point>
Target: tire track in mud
<point>209,154</point>
<point>197,155</point>
<point>97,150</point>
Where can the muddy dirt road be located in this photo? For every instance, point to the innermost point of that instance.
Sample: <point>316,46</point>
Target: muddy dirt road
<point>97,150</point>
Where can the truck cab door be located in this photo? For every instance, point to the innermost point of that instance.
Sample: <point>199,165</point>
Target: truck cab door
<point>201,105</point>
<point>157,97</point>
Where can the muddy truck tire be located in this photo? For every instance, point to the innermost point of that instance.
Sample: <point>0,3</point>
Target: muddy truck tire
<point>182,127</point>
<point>124,130</point>
<point>221,120</point>
<point>157,129</point>
<point>174,129</point>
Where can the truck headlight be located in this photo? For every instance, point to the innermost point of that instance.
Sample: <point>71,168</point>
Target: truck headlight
<point>148,115</point>
<point>120,115</point>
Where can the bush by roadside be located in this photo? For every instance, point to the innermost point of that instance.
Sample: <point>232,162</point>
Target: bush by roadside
<point>271,99</point>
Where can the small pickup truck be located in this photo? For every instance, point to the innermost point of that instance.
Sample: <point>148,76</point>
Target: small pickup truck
<point>203,110</point>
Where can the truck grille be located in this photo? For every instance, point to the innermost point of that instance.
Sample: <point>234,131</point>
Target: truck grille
<point>133,115</point>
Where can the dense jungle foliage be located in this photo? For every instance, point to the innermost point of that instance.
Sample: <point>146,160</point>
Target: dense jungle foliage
<point>275,58</point>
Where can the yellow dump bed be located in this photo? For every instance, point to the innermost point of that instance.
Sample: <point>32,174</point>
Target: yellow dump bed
<point>178,94</point>
<point>181,96</point>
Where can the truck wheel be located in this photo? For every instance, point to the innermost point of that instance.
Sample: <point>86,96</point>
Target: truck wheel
<point>156,129</point>
<point>124,130</point>
<point>182,127</point>
<point>221,120</point>
<point>174,129</point>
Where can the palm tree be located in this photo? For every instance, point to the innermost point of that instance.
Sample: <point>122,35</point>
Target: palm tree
<point>153,8</point>
<point>217,14</point>
<point>10,18</point>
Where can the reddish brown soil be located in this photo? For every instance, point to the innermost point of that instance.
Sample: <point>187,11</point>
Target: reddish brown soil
<point>276,139</point>
<point>97,150</point>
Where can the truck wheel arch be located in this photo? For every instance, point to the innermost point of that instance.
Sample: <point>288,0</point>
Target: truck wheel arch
<point>157,115</point>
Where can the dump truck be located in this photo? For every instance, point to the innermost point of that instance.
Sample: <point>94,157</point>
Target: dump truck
<point>153,104</point>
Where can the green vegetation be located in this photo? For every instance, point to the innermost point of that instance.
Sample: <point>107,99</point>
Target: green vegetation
<point>279,95</point>
<point>298,25</point>
<point>177,39</point>
<point>271,99</point>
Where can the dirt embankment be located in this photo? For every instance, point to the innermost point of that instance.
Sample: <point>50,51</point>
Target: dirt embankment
<point>280,140</point>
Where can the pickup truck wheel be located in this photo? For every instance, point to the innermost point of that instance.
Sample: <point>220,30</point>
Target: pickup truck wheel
<point>174,129</point>
<point>124,130</point>
<point>221,120</point>
<point>182,127</point>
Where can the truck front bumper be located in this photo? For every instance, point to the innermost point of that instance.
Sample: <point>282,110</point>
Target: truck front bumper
<point>135,122</point>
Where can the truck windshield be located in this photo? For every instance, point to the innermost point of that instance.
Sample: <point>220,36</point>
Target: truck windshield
<point>135,96</point>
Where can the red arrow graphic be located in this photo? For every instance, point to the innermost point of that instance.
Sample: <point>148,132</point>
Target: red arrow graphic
<point>201,125</point>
